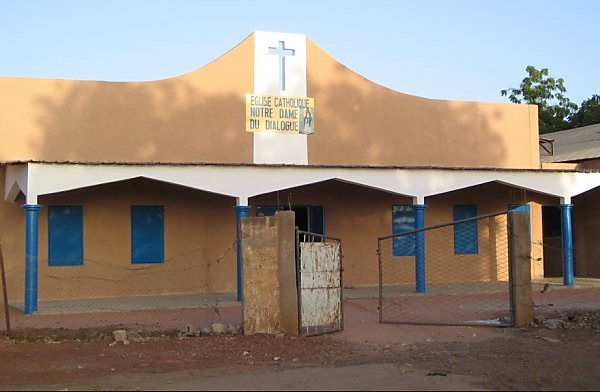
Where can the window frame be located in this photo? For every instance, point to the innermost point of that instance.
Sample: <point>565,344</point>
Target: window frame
<point>466,234</point>
<point>139,235</point>
<point>56,242</point>
<point>403,245</point>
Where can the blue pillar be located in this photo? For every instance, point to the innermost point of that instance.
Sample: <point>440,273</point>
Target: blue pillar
<point>567,244</point>
<point>420,247</point>
<point>241,212</point>
<point>31,257</point>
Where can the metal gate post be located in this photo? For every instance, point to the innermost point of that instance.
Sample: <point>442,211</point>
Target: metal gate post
<point>298,281</point>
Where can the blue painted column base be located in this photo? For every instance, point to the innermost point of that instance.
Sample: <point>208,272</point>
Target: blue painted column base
<point>420,248</point>
<point>31,257</point>
<point>567,244</point>
<point>241,212</point>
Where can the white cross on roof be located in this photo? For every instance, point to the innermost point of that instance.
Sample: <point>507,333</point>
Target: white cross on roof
<point>281,51</point>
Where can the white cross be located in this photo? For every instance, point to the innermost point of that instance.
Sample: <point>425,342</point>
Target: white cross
<point>281,51</point>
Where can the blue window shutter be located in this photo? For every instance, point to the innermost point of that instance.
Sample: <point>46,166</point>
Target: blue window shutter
<point>466,238</point>
<point>403,220</point>
<point>147,234</point>
<point>65,236</point>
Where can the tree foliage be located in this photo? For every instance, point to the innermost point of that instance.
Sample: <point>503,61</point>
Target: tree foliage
<point>588,113</point>
<point>539,88</point>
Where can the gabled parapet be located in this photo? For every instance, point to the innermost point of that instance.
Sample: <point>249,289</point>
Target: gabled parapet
<point>199,117</point>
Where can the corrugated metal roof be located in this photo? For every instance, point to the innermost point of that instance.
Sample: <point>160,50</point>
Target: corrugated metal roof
<point>574,144</point>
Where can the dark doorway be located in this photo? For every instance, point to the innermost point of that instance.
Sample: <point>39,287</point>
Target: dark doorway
<point>308,218</point>
<point>552,237</point>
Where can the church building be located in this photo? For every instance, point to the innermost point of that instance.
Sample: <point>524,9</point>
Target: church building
<point>114,189</point>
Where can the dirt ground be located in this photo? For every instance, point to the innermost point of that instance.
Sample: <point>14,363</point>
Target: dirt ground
<point>556,354</point>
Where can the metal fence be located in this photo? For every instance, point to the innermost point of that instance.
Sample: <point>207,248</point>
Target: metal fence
<point>466,274</point>
<point>320,283</point>
<point>551,298</point>
<point>169,296</point>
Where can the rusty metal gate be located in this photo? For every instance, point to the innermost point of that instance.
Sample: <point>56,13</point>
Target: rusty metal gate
<point>319,282</point>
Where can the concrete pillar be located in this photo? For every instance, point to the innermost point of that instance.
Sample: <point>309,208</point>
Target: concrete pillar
<point>288,287</point>
<point>31,257</point>
<point>567,244</point>
<point>519,268</point>
<point>241,212</point>
<point>270,303</point>
<point>420,247</point>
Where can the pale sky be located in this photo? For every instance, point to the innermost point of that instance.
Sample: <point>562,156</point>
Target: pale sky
<point>464,50</point>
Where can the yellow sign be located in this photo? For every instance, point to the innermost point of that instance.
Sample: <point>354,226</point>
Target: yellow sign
<point>270,113</point>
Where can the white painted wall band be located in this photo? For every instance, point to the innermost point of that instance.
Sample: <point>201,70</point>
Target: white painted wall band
<point>243,182</point>
<point>274,147</point>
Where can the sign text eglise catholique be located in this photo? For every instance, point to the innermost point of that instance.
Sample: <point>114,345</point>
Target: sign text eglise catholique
<point>271,113</point>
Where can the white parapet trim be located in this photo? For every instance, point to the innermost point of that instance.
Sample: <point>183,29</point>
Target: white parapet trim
<point>244,182</point>
<point>554,183</point>
<point>15,181</point>
<point>241,182</point>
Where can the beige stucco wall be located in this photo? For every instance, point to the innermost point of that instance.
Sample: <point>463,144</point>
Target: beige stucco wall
<point>355,214</point>
<point>359,215</point>
<point>586,215</point>
<point>377,126</point>
<point>199,117</point>
<point>586,164</point>
<point>490,198</point>
<point>199,229</point>
<point>195,117</point>
<point>558,166</point>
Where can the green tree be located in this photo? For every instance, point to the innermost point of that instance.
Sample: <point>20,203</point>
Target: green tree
<point>538,88</point>
<point>588,113</point>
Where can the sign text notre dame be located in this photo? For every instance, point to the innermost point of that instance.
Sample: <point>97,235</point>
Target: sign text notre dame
<point>270,113</point>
